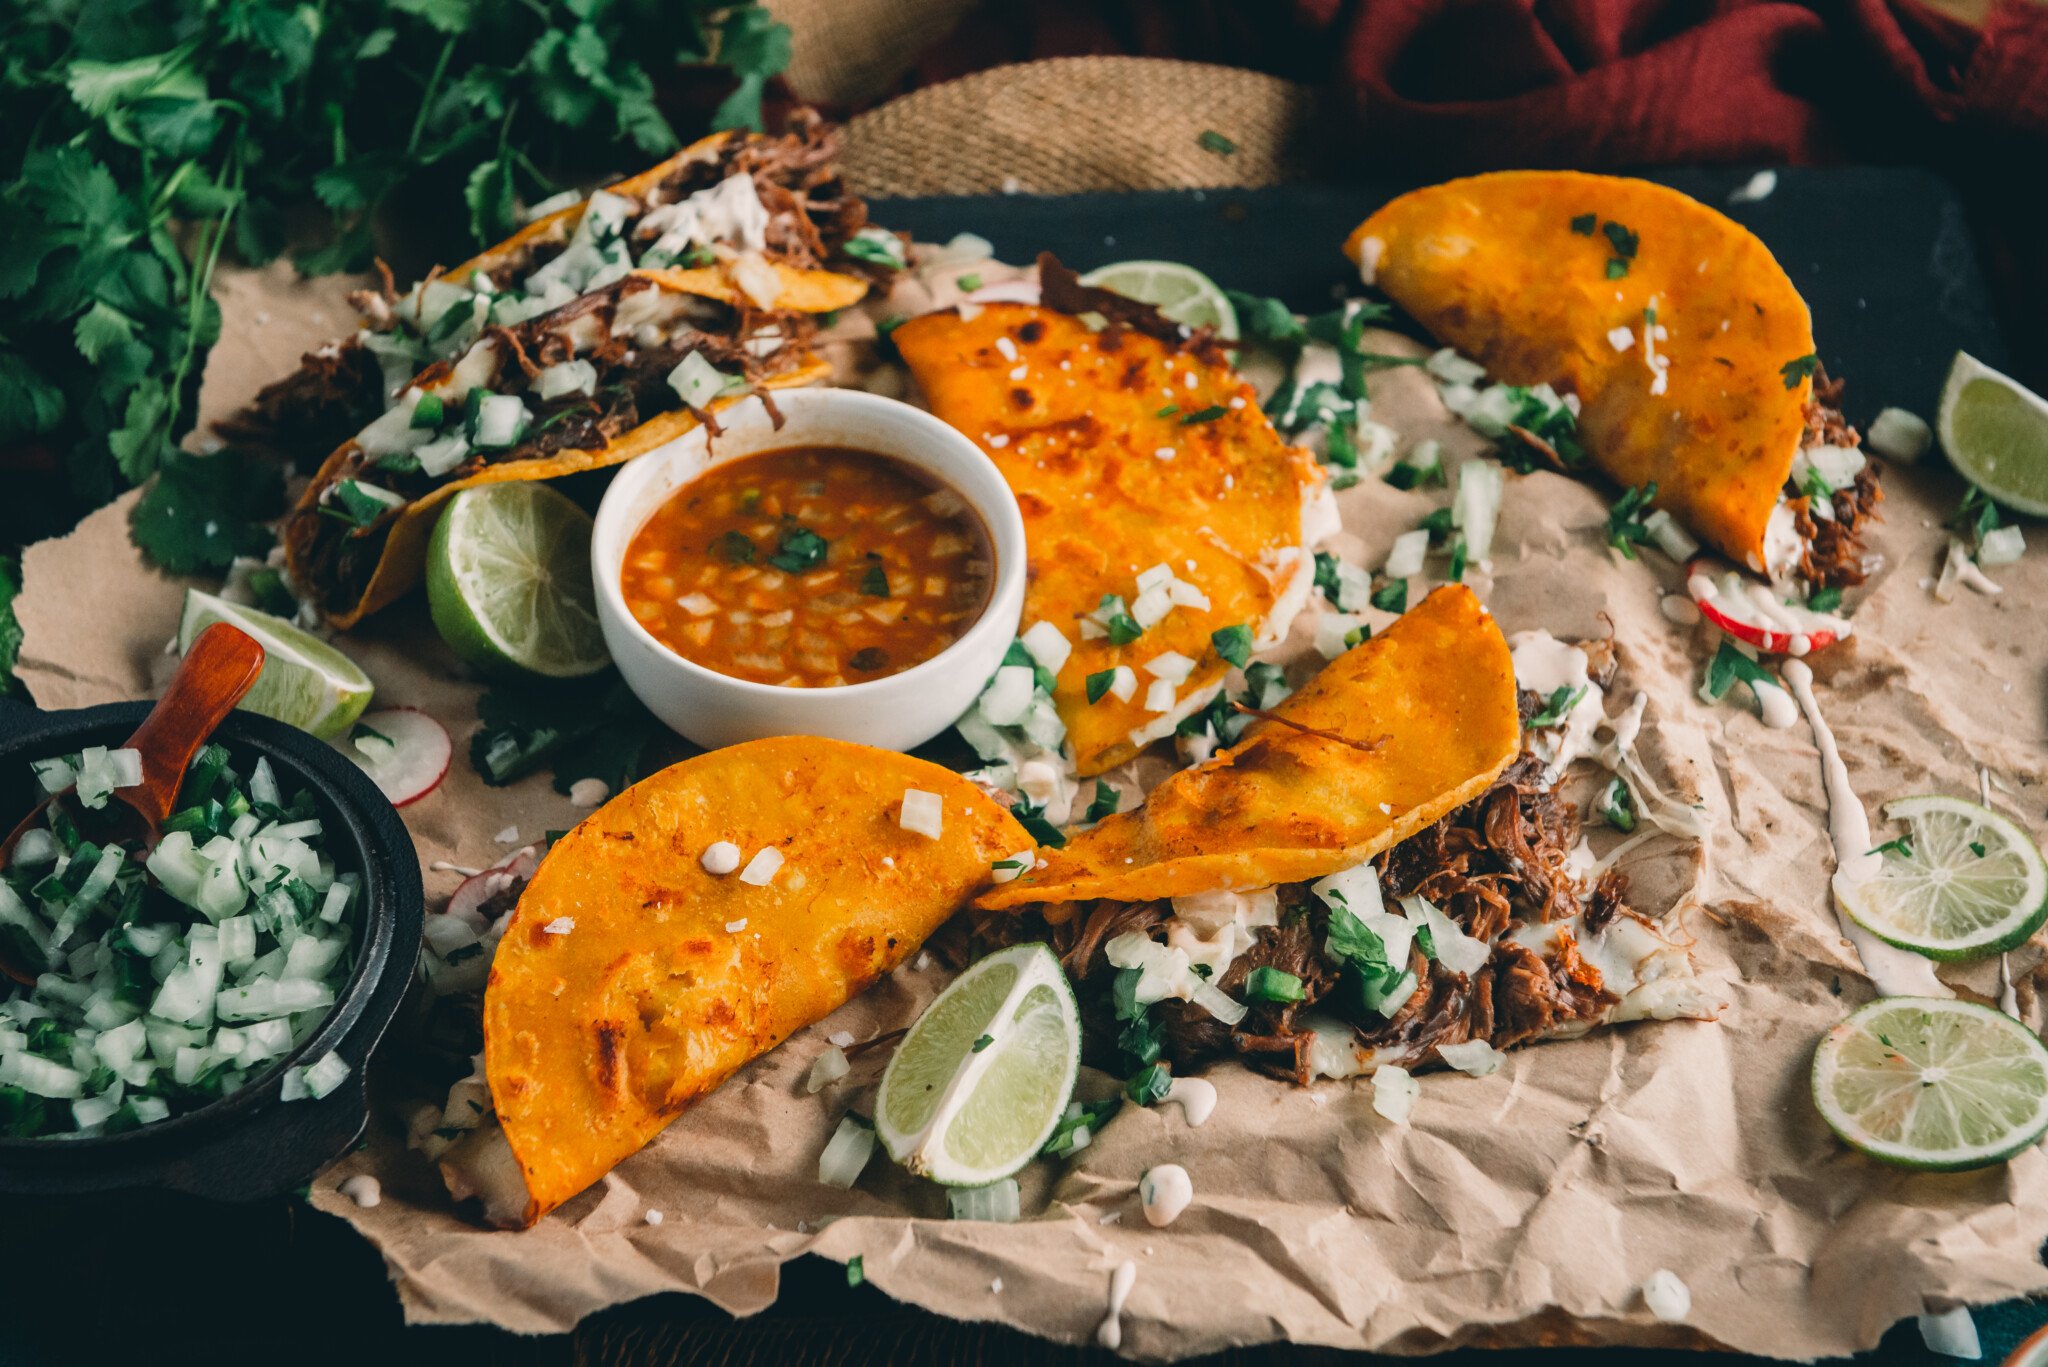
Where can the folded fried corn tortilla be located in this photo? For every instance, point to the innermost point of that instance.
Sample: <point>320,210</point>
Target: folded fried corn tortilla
<point>1377,874</point>
<point>1685,343</point>
<point>593,335</point>
<point>632,979</point>
<point>1160,506</point>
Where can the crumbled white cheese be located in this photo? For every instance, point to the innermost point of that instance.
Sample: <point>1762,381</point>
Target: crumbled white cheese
<point>1668,1298</point>
<point>720,858</point>
<point>561,925</point>
<point>735,927</point>
<point>589,792</point>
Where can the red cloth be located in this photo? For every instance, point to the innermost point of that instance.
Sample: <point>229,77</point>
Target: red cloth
<point>1618,83</point>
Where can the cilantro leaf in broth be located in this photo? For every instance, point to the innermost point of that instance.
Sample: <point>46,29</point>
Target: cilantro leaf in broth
<point>800,551</point>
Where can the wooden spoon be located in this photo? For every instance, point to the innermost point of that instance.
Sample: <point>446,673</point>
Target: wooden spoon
<point>217,673</point>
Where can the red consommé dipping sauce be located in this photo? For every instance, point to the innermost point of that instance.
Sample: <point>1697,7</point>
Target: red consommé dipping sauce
<point>811,567</point>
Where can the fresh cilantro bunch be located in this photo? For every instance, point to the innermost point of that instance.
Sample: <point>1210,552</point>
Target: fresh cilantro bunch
<point>153,139</point>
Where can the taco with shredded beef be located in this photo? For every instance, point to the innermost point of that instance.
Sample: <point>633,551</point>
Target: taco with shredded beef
<point>593,335</point>
<point>1683,341</point>
<point>1163,513</point>
<point>632,979</point>
<point>1377,873</point>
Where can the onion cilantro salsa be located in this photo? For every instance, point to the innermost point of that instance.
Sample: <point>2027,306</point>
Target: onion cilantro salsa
<point>811,567</point>
<point>168,982</point>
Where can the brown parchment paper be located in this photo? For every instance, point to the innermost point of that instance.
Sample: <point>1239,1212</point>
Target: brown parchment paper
<point>1527,1206</point>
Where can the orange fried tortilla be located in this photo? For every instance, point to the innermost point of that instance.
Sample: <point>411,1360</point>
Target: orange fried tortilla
<point>659,979</point>
<point>1416,722</point>
<point>1493,266</point>
<point>1091,429</point>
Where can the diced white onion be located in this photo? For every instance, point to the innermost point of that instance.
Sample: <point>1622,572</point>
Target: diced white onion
<point>1008,695</point>
<point>442,454</point>
<point>1124,684</point>
<point>1476,509</point>
<point>1047,645</point>
<point>1447,365</point>
<point>1172,666</point>
<point>827,1068</point>
<point>1217,1002</point>
<point>1407,556</point>
<point>763,867</point>
<point>696,381</point>
<point>1394,1091</point>
<point>999,1202</point>
<point>314,1081</point>
<point>1667,1297</point>
<point>1951,1333</point>
<point>846,1154</point>
<point>1455,950</point>
<point>720,858</point>
<point>566,377</point>
<point>1899,435</point>
<point>1477,1057</point>
<point>1150,607</point>
<point>1160,697</point>
<point>1671,538</point>
<point>2001,546</point>
<point>923,813</point>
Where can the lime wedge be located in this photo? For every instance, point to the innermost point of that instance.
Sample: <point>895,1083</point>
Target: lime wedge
<point>1970,883</point>
<point>967,1116</point>
<point>1995,431</point>
<point>1180,292</point>
<point>1931,1083</point>
<point>305,682</point>
<point>508,582</point>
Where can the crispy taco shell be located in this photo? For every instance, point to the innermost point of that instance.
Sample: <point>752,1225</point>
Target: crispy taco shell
<point>402,560</point>
<point>1494,266</point>
<point>1393,734</point>
<point>1073,418</point>
<point>599,1034</point>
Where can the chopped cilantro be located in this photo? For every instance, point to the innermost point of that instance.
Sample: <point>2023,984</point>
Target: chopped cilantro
<point>855,1272</point>
<point>1326,575</point>
<point>1626,528</point>
<point>1975,515</point>
<point>1816,487</point>
<point>1729,665</point>
<point>969,283</point>
<point>1209,414</point>
<point>1122,627</point>
<point>1557,707</point>
<point>1825,600</point>
<point>1275,985</point>
<point>1977,848</point>
<point>982,1042</point>
<point>1357,636</point>
<point>356,506</point>
<point>1406,476</point>
<point>586,728</point>
<point>1621,239</point>
<point>1167,411</point>
<point>1616,268</point>
<point>1209,140</point>
<point>1149,1085</point>
<point>361,732</point>
<point>1584,224</point>
<point>1234,644</point>
<point>1902,847</point>
<point>1617,806</point>
<point>1799,368</point>
<point>1391,596</point>
<point>876,250</point>
<point>1099,684</point>
<point>1263,319</point>
<point>801,549</point>
<point>1082,1115</point>
<point>1031,817</point>
<point>1437,524</point>
<point>1123,994</point>
<point>1019,654</point>
<point>1104,804</point>
<point>1459,554</point>
<point>875,582</point>
<point>734,548</point>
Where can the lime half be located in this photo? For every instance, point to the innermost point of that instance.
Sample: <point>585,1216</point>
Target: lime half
<point>1995,431</point>
<point>1969,882</point>
<point>978,1084</point>
<point>1935,1084</point>
<point>1180,292</point>
<point>508,582</point>
<point>305,682</point>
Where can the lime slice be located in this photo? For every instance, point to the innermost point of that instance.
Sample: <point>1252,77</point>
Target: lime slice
<point>1931,1083</point>
<point>1180,292</point>
<point>305,682</point>
<point>508,581</point>
<point>966,1116</point>
<point>1995,431</point>
<point>1973,883</point>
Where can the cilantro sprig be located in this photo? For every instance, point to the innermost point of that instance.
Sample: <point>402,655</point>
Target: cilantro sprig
<point>158,140</point>
<point>1627,527</point>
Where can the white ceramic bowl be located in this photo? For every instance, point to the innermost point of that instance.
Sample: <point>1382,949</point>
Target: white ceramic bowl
<point>896,712</point>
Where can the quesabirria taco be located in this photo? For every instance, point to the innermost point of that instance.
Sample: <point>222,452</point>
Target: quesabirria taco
<point>1686,346</point>
<point>1377,873</point>
<point>593,335</point>
<point>1165,516</point>
<point>692,924</point>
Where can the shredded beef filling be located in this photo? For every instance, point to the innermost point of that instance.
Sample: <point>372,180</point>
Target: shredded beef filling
<point>632,387</point>
<point>1832,554</point>
<point>1496,863</point>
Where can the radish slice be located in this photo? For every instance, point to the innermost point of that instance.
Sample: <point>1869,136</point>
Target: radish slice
<point>474,893</point>
<point>1753,613</point>
<point>403,750</point>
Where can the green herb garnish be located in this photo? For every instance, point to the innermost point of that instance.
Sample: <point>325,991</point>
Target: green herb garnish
<point>1276,985</point>
<point>1584,224</point>
<point>734,548</point>
<point>801,549</point>
<point>1149,1085</point>
<point>1626,525</point>
<point>982,1042</point>
<point>855,1272</point>
<point>1459,554</point>
<point>875,582</point>
<point>1391,596</point>
<point>1105,803</point>
<point>1902,847</point>
<point>1082,1115</point>
<point>1031,817</point>
<point>1099,683</point>
<point>1729,665</point>
<point>1799,368</point>
<point>1825,600</point>
<point>1209,414</point>
<point>1209,140</point>
<point>1234,644</point>
<point>1617,806</point>
<point>1559,705</point>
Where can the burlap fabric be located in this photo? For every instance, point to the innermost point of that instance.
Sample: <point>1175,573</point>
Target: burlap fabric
<point>1074,124</point>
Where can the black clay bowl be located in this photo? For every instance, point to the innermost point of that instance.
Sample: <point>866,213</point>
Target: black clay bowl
<point>249,1144</point>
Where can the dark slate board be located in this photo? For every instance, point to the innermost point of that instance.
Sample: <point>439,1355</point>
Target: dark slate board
<point>1883,255</point>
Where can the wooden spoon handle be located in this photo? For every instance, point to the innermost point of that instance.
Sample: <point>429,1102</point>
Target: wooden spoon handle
<point>217,672</point>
